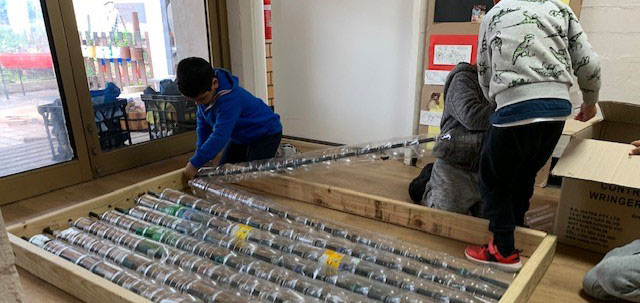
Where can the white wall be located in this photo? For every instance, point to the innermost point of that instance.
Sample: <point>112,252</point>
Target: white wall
<point>613,27</point>
<point>345,71</point>
<point>247,45</point>
<point>190,29</point>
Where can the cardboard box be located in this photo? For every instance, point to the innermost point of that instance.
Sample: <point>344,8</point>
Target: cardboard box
<point>137,121</point>
<point>599,206</point>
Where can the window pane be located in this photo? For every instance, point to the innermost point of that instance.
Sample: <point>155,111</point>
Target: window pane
<point>130,51</point>
<point>33,128</point>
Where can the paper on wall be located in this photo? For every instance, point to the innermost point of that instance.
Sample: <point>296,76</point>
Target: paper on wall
<point>430,118</point>
<point>435,77</point>
<point>451,54</point>
<point>435,108</point>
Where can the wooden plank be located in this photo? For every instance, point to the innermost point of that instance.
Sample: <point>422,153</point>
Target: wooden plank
<point>268,49</point>
<point>120,198</point>
<point>126,81</point>
<point>223,39</point>
<point>65,275</point>
<point>100,70</point>
<point>143,72</point>
<point>148,51</point>
<point>451,225</point>
<point>269,65</point>
<point>270,92</point>
<point>107,62</point>
<point>215,50</point>
<point>134,72</point>
<point>116,64</point>
<point>532,272</point>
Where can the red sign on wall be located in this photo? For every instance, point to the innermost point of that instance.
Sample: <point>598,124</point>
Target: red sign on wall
<point>443,41</point>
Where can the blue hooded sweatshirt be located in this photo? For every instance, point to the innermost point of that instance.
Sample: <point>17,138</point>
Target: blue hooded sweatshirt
<point>234,115</point>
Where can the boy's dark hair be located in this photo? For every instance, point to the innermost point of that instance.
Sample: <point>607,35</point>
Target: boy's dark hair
<point>194,76</point>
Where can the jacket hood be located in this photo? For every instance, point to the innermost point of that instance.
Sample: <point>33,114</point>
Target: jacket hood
<point>226,80</point>
<point>462,67</point>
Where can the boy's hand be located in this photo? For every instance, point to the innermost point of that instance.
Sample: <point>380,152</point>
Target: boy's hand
<point>586,112</point>
<point>190,171</point>
<point>635,151</point>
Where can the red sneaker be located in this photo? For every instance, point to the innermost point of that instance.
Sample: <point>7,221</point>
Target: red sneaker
<point>488,254</point>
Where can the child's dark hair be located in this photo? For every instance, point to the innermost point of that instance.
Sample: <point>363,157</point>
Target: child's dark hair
<point>194,76</point>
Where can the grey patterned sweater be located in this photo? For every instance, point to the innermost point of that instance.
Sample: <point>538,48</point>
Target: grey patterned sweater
<point>528,49</point>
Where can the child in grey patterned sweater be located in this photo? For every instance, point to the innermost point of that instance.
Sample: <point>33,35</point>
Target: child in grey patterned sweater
<point>528,51</point>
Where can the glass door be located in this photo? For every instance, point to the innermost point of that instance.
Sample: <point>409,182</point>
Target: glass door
<point>41,135</point>
<point>124,55</point>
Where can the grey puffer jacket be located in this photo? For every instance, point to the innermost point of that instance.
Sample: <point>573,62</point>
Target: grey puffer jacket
<point>465,118</point>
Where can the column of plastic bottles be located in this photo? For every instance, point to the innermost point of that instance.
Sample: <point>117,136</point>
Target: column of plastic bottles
<point>198,222</point>
<point>394,148</point>
<point>190,250</point>
<point>199,286</point>
<point>372,289</point>
<point>217,193</point>
<point>128,280</point>
<point>416,261</point>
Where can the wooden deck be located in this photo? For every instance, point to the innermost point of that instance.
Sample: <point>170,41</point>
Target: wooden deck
<point>562,282</point>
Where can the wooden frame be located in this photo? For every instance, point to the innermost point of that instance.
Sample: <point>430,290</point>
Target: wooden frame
<point>91,161</point>
<point>538,246</point>
<point>78,169</point>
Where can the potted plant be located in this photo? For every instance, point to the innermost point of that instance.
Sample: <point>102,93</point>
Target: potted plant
<point>125,51</point>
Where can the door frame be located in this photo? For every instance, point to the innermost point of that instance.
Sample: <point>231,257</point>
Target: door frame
<point>90,162</point>
<point>41,180</point>
<point>104,163</point>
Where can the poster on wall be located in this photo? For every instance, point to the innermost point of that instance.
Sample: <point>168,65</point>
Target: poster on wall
<point>451,54</point>
<point>435,107</point>
<point>435,77</point>
<point>445,51</point>
<point>461,10</point>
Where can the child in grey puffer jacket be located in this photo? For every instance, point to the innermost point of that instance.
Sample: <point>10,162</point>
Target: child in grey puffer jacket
<point>465,120</point>
<point>617,276</point>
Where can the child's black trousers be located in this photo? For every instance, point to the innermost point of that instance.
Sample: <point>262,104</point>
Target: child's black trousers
<point>511,158</point>
<point>264,147</point>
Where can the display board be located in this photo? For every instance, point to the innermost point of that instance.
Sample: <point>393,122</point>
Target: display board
<point>452,33</point>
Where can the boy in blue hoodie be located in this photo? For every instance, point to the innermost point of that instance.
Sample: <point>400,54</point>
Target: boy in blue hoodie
<point>228,115</point>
